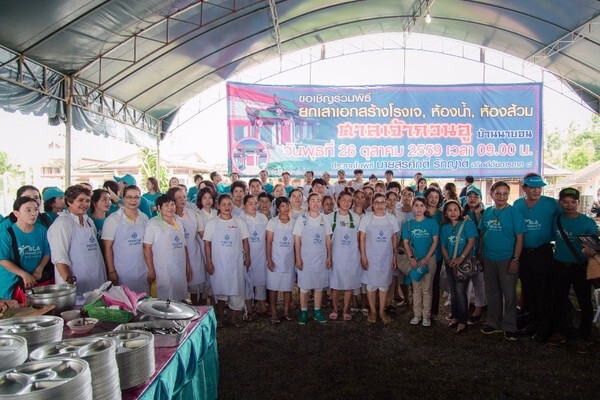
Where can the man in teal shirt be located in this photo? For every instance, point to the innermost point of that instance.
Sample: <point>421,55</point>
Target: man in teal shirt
<point>539,213</point>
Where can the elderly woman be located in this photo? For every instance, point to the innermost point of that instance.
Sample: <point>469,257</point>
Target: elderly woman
<point>74,244</point>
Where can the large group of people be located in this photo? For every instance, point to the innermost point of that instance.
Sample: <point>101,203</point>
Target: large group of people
<point>370,240</point>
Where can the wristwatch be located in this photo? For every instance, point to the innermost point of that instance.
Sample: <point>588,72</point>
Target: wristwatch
<point>514,259</point>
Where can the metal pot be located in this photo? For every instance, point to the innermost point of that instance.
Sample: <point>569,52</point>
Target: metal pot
<point>63,296</point>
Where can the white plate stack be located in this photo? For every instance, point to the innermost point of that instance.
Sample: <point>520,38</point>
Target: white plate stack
<point>100,353</point>
<point>135,356</point>
<point>37,330</point>
<point>58,378</point>
<point>13,351</point>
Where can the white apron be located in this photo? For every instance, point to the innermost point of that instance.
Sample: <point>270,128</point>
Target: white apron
<point>378,247</point>
<point>195,254</point>
<point>168,253</point>
<point>87,263</point>
<point>282,254</point>
<point>128,250</point>
<point>228,259</point>
<point>313,275</point>
<point>345,273</point>
<point>258,250</point>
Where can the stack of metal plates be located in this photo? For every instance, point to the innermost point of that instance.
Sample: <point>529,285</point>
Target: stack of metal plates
<point>135,356</point>
<point>100,353</point>
<point>13,351</point>
<point>37,330</point>
<point>58,378</point>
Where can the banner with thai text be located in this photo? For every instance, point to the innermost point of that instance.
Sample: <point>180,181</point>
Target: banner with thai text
<point>440,131</point>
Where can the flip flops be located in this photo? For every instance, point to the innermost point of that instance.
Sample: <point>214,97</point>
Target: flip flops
<point>333,316</point>
<point>347,317</point>
<point>371,319</point>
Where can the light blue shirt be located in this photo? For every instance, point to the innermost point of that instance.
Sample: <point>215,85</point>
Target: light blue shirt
<point>581,225</point>
<point>500,229</point>
<point>448,235</point>
<point>420,235</point>
<point>151,199</point>
<point>539,220</point>
<point>32,247</point>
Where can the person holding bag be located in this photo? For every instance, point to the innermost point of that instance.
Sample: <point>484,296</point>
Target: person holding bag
<point>569,268</point>
<point>457,238</point>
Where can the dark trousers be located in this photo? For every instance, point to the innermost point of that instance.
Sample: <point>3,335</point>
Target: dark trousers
<point>535,270</point>
<point>563,276</point>
<point>435,295</point>
<point>460,302</point>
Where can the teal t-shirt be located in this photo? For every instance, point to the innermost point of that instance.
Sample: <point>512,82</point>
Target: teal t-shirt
<point>222,189</point>
<point>288,189</point>
<point>420,235</point>
<point>268,188</point>
<point>539,220</point>
<point>581,225</point>
<point>113,209</point>
<point>192,194</point>
<point>471,216</point>
<point>99,224</point>
<point>500,228</point>
<point>32,247</point>
<point>419,194</point>
<point>6,222</point>
<point>438,251</point>
<point>144,207</point>
<point>151,199</point>
<point>448,236</point>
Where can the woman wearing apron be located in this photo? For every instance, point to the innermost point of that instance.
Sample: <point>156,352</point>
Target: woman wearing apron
<point>378,241</point>
<point>280,258</point>
<point>122,238</point>
<point>165,252</point>
<point>312,232</point>
<point>74,246</point>
<point>256,277</point>
<point>205,203</point>
<point>345,272</point>
<point>191,227</point>
<point>225,244</point>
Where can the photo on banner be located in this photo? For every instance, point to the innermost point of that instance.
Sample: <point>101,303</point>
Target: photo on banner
<point>438,130</point>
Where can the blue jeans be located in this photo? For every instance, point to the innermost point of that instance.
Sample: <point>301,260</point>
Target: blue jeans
<point>460,303</point>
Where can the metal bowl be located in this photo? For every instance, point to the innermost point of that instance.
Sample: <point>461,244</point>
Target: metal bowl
<point>62,296</point>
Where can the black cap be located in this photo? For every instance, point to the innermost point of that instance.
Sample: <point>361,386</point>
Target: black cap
<point>568,192</point>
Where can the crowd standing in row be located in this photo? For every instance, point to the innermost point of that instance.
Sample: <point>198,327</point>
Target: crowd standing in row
<point>367,240</point>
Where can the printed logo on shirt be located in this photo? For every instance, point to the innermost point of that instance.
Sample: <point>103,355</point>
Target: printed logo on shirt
<point>569,235</point>
<point>254,237</point>
<point>381,238</point>
<point>226,242</point>
<point>452,241</point>
<point>285,241</point>
<point>317,239</point>
<point>532,224</point>
<point>418,233</point>
<point>27,251</point>
<point>177,242</point>
<point>493,225</point>
<point>93,244</point>
<point>135,240</point>
<point>345,240</point>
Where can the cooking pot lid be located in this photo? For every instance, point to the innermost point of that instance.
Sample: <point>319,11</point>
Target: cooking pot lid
<point>166,309</point>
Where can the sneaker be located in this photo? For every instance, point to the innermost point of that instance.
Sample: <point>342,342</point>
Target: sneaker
<point>303,318</point>
<point>415,321</point>
<point>474,320</point>
<point>489,330</point>
<point>557,339</point>
<point>319,317</point>
<point>426,322</point>
<point>510,336</point>
<point>539,337</point>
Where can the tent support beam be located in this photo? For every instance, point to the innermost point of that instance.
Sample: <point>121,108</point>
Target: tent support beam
<point>68,105</point>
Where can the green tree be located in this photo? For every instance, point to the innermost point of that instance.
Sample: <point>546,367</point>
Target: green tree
<point>149,160</point>
<point>576,148</point>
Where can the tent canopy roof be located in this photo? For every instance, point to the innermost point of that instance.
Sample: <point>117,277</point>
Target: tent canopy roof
<point>154,55</point>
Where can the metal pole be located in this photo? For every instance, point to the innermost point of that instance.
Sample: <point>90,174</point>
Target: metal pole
<point>158,153</point>
<point>68,102</point>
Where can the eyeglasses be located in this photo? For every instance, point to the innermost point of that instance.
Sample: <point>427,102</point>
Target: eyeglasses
<point>379,202</point>
<point>132,197</point>
<point>407,194</point>
<point>501,194</point>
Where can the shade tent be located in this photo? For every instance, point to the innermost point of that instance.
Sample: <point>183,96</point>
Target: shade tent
<point>125,67</point>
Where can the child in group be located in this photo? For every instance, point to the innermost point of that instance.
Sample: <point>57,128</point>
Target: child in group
<point>256,277</point>
<point>204,202</point>
<point>227,259</point>
<point>378,241</point>
<point>312,234</point>
<point>420,237</point>
<point>345,272</point>
<point>280,258</point>
<point>455,228</point>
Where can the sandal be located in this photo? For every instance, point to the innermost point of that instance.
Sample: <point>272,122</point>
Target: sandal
<point>371,319</point>
<point>347,317</point>
<point>333,316</point>
<point>275,319</point>
<point>288,318</point>
<point>386,319</point>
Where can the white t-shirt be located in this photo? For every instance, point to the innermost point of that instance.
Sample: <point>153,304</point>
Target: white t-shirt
<point>274,222</point>
<point>378,220</point>
<point>321,219</point>
<point>109,229</point>
<point>155,225</point>
<point>234,222</point>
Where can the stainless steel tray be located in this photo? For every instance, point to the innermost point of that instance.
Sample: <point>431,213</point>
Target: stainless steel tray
<point>160,339</point>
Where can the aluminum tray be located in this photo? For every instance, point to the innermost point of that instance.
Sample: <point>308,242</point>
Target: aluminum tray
<point>160,340</point>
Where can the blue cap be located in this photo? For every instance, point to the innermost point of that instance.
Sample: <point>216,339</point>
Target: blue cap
<point>473,189</point>
<point>534,181</point>
<point>126,179</point>
<point>52,192</point>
